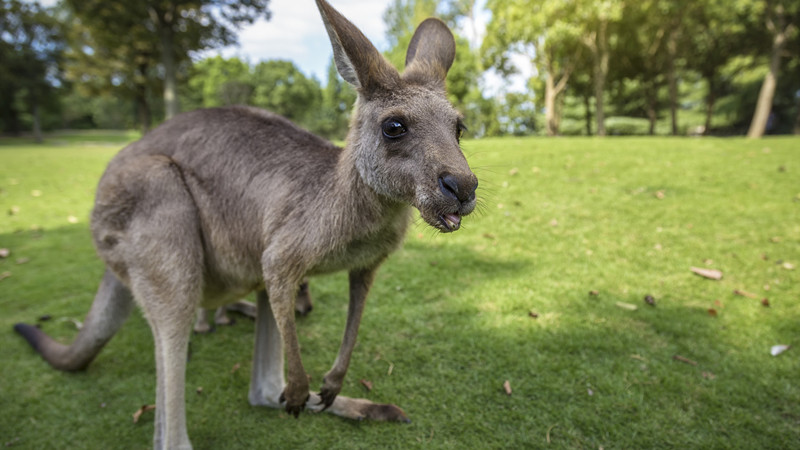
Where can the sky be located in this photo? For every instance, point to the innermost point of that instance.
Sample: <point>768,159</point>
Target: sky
<point>296,33</point>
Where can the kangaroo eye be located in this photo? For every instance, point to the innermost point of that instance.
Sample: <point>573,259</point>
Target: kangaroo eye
<point>460,129</point>
<point>394,129</point>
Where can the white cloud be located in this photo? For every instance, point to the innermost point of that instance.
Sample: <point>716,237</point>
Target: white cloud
<point>296,33</point>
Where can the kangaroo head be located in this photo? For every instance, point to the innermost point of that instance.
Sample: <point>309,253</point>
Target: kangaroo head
<point>404,136</point>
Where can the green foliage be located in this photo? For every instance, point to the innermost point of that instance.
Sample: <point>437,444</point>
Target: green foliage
<point>217,81</point>
<point>31,50</point>
<point>448,318</point>
<point>627,126</point>
<point>282,88</point>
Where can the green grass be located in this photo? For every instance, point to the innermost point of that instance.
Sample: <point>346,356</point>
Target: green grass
<point>449,314</point>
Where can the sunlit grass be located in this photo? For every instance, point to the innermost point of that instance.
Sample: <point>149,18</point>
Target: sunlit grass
<point>450,316</point>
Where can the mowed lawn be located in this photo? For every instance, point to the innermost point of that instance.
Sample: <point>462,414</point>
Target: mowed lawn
<point>543,287</point>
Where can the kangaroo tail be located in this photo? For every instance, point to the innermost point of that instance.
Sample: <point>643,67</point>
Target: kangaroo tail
<point>112,305</point>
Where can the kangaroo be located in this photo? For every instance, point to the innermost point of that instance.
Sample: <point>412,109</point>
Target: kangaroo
<point>217,203</point>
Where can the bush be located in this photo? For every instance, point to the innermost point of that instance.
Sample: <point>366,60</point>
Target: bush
<point>627,126</point>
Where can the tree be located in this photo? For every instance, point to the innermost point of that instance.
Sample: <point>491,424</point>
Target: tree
<point>715,36</point>
<point>779,17</point>
<point>338,97</point>
<point>596,18</point>
<point>544,30</point>
<point>117,59</point>
<point>217,81</point>
<point>283,89</point>
<point>181,26</point>
<point>31,48</point>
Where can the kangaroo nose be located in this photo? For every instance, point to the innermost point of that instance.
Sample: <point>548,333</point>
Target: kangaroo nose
<point>462,190</point>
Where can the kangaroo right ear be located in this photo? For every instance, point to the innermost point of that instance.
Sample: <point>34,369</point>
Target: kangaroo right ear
<point>357,60</point>
<point>431,51</point>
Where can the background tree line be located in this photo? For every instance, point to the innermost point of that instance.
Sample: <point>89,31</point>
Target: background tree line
<point>600,67</point>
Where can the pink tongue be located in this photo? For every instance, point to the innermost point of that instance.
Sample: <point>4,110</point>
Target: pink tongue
<point>453,219</point>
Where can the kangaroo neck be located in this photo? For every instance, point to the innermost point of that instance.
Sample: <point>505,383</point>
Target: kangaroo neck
<point>365,207</point>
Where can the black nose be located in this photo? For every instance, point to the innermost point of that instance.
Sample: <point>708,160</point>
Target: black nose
<point>462,189</point>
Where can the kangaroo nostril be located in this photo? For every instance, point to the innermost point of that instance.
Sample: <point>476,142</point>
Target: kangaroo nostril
<point>449,186</point>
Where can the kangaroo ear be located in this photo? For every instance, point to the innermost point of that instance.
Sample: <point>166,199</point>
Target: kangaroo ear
<point>357,60</point>
<point>432,50</point>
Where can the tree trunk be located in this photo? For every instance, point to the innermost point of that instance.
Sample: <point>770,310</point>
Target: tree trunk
<point>143,112</point>
<point>600,50</point>
<point>711,98</point>
<point>797,119</point>
<point>37,122</point>
<point>652,114</point>
<point>171,103</point>
<point>165,23</point>
<point>550,106</point>
<point>758,126</point>
<point>673,82</point>
<point>587,107</point>
<point>142,105</point>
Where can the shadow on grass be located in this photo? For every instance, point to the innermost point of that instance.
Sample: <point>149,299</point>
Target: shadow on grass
<point>439,338</point>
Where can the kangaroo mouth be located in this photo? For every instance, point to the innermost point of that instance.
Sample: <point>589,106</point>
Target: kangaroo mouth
<point>449,222</point>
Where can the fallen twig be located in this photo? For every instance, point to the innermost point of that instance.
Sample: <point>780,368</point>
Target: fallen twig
<point>684,360</point>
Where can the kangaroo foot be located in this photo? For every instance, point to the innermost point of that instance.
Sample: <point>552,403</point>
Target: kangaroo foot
<point>295,399</point>
<point>358,409</point>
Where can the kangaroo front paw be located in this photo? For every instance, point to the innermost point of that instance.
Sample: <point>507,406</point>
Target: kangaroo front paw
<point>330,389</point>
<point>295,399</point>
<point>327,396</point>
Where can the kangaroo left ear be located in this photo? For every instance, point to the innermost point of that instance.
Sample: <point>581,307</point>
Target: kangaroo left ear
<point>432,50</point>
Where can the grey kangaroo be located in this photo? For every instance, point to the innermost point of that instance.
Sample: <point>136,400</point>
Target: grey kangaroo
<point>216,203</point>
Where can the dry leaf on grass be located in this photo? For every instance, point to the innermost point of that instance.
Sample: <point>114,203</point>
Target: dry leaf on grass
<point>628,306</point>
<point>788,266</point>
<point>776,350</point>
<point>711,274</point>
<point>366,383</point>
<point>138,414</point>
<point>23,260</point>
<point>507,387</point>
<point>235,367</point>
<point>744,293</point>
<point>4,275</point>
<point>712,312</point>
<point>765,302</point>
<point>684,360</point>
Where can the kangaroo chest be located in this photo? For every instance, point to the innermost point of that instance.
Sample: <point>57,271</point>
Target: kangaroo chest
<point>366,250</point>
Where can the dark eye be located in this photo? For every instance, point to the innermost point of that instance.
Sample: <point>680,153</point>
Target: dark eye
<point>460,129</point>
<point>394,129</point>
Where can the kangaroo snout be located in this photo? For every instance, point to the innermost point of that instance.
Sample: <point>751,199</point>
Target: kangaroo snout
<point>462,190</point>
<point>458,188</point>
